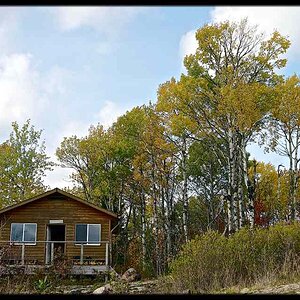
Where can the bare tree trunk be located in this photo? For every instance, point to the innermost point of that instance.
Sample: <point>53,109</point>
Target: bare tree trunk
<point>185,195</point>
<point>240,178</point>
<point>295,176</point>
<point>229,214</point>
<point>163,218</point>
<point>249,200</point>
<point>168,225</point>
<point>232,190</point>
<point>291,215</point>
<point>143,235</point>
<point>155,219</point>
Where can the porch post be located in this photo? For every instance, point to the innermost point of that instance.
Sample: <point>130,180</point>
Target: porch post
<point>52,252</point>
<point>106,254</point>
<point>23,254</point>
<point>81,253</point>
<point>106,261</point>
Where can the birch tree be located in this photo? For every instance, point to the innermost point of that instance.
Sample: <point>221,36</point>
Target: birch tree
<point>179,130</point>
<point>227,80</point>
<point>207,183</point>
<point>284,128</point>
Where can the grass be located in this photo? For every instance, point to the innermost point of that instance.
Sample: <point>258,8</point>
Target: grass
<point>212,263</point>
<point>45,284</point>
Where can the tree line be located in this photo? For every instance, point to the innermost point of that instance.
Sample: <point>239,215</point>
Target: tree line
<point>178,167</point>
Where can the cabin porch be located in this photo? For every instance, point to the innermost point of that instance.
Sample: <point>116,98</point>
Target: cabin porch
<point>80,257</point>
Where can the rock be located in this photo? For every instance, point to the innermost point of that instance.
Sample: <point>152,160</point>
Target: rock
<point>142,287</point>
<point>244,291</point>
<point>105,289</point>
<point>114,275</point>
<point>74,289</point>
<point>131,275</point>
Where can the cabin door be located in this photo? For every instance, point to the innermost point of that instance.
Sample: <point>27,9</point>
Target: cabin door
<point>55,234</point>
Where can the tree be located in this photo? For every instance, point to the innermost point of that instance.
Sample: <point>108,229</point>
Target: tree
<point>284,130</point>
<point>208,179</point>
<point>179,130</point>
<point>88,157</point>
<point>23,163</point>
<point>155,171</point>
<point>228,96</point>
<point>270,192</point>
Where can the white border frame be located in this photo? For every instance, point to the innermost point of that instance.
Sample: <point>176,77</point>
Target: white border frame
<point>87,234</point>
<point>23,232</point>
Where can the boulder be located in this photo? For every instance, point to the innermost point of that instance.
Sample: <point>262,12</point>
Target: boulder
<point>131,275</point>
<point>105,289</point>
<point>244,291</point>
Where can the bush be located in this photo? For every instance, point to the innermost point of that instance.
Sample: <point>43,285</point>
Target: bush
<point>212,261</point>
<point>41,285</point>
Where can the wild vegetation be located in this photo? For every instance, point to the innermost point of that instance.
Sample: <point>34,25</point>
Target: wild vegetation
<point>212,262</point>
<point>177,171</point>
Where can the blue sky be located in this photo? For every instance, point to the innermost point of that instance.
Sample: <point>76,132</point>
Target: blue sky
<point>66,68</point>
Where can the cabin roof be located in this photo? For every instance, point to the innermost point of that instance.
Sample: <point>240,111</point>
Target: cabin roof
<point>63,193</point>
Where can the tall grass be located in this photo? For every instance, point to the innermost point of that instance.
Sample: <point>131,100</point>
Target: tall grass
<point>212,261</point>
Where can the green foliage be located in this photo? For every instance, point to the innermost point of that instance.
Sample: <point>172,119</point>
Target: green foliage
<point>212,261</point>
<point>23,163</point>
<point>41,285</point>
<point>232,51</point>
<point>177,168</point>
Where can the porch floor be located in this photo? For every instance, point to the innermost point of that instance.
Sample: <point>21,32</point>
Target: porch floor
<point>75,269</point>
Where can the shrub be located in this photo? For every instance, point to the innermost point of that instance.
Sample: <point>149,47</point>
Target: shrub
<point>41,285</point>
<point>212,261</point>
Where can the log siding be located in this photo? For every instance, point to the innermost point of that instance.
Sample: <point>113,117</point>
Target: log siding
<point>56,206</point>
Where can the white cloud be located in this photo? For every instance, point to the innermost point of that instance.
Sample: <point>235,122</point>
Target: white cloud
<point>26,93</point>
<point>18,88</point>
<point>109,113</point>
<point>16,80</point>
<point>258,153</point>
<point>20,81</point>
<point>60,177</point>
<point>54,81</point>
<point>78,128</point>
<point>106,19</point>
<point>188,45</point>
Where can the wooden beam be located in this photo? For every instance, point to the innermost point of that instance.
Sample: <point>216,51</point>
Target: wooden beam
<point>52,253</point>
<point>81,254</point>
<point>106,254</point>
<point>23,254</point>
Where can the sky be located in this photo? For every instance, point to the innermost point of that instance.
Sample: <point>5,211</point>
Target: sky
<point>67,68</point>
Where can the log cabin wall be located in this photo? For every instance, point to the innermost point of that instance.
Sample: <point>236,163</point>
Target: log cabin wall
<point>57,207</point>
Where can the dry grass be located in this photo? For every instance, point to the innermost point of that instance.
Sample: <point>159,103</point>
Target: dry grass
<point>213,263</point>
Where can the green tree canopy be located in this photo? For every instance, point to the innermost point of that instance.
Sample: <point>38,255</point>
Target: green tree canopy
<point>23,163</point>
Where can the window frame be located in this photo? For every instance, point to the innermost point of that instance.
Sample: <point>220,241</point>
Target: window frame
<point>87,234</point>
<point>23,235</point>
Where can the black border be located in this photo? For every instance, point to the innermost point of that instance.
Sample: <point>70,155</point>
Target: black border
<point>146,3</point>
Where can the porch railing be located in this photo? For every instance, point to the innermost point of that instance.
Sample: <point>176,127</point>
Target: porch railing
<point>16,251</point>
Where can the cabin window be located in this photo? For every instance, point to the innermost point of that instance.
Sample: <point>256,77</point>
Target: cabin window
<point>89,234</point>
<point>23,232</point>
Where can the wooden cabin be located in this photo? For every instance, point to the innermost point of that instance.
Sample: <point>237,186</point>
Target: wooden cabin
<point>55,223</point>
